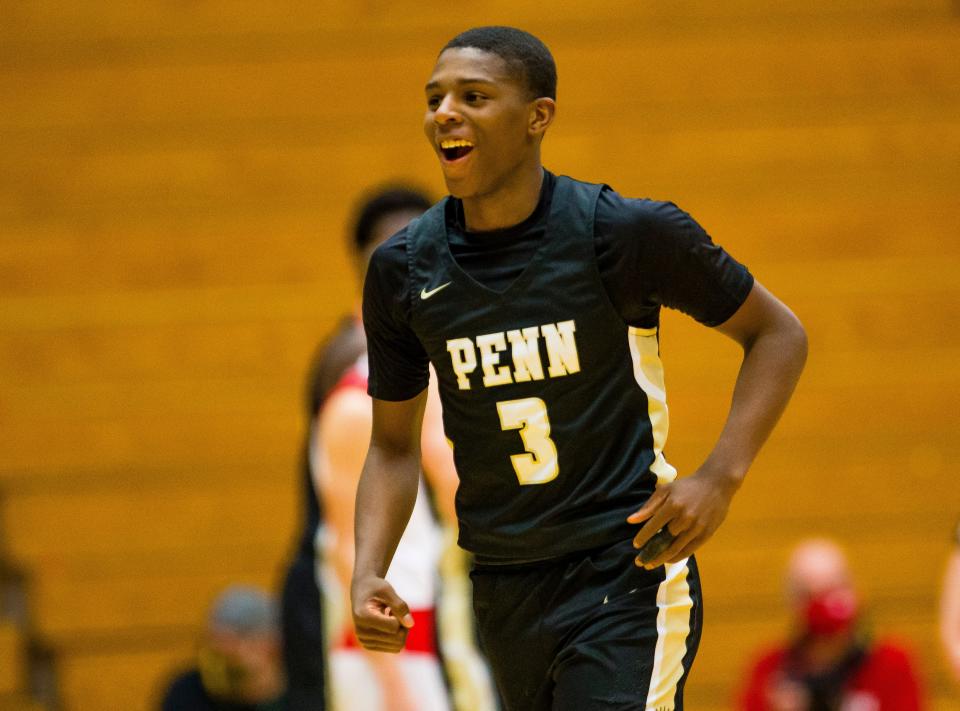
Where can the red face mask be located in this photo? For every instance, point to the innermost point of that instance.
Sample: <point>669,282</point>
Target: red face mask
<point>831,613</point>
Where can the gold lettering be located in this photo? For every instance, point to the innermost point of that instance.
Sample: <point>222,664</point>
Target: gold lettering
<point>561,348</point>
<point>490,345</point>
<point>464,360</point>
<point>526,354</point>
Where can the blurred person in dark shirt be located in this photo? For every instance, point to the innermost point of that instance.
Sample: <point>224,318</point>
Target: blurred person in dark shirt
<point>239,665</point>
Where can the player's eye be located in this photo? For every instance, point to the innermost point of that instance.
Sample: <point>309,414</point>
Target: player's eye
<point>474,97</point>
<point>433,101</point>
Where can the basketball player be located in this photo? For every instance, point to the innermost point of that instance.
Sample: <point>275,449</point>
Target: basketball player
<point>412,680</point>
<point>536,298</point>
<point>302,613</point>
<point>338,406</point>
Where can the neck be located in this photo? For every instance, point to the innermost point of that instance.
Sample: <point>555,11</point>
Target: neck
<point>509,204</point>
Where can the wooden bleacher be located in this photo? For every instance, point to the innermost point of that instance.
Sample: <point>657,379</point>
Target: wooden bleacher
<point>126,566</point>
<point>21,686</point>
<point>12,672</point>
<point>174,184</point>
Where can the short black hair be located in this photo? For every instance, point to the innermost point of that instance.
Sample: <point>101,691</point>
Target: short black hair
<point>519,49</point>
<point>379,203</point>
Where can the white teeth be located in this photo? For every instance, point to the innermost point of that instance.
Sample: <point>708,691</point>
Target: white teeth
<point>455,143</point>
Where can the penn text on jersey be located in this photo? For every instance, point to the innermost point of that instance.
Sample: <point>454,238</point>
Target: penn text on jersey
<point>561,346</point>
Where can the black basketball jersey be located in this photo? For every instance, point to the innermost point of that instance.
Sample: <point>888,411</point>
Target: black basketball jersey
<point>554,405</point>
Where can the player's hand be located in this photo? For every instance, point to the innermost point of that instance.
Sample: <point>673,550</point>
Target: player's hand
<point>680,516</point>
<point>380,618</point>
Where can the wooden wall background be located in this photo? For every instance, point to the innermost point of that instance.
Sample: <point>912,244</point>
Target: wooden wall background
<point>174,181</point>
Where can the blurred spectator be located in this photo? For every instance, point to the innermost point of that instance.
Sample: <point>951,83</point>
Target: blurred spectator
<point>830,664</point>
<point>950,608</point>
<point>238,666</point>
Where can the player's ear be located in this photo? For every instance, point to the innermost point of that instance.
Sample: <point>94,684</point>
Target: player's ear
<point>542,111</point>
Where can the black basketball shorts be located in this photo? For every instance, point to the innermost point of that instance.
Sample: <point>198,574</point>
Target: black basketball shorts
<point>590,632</point>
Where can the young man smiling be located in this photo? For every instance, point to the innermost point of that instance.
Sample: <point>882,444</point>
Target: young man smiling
<point>537,300</point>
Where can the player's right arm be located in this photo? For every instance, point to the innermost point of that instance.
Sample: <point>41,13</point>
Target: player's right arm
<point>343,429</point>
<point>385,498</point>
<point>397,382</point>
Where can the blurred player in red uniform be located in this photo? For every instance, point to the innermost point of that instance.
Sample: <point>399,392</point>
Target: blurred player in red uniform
<point>340,431</point>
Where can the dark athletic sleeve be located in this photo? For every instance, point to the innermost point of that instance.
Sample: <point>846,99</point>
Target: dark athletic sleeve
<point>653,254</point>
<point>399,368</point>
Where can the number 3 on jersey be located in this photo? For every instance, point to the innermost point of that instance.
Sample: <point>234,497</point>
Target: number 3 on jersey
<point>538,464</point>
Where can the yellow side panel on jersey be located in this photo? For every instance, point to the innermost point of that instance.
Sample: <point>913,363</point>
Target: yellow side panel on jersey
<point>648,372</point>
<point>673,627</point>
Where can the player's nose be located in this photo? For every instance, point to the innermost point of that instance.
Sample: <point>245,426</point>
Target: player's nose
<point>446,112</point>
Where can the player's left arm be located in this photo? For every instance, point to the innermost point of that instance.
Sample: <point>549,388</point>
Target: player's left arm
<point>774,351</point>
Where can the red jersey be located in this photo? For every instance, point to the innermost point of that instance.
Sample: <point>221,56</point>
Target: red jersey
<point>886,680</point>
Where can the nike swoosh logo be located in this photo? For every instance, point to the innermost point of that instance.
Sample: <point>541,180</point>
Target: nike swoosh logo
<point>424,294</point>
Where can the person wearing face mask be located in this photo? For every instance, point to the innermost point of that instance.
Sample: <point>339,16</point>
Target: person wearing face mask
<point>239,666</point>
<point>831,663</point>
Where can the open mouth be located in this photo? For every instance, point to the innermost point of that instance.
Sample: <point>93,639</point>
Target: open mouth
<point>455,149</point>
